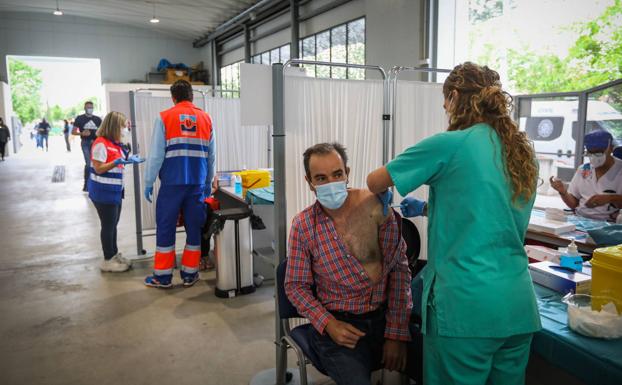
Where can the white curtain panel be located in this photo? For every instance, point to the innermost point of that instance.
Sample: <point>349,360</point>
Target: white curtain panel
<point>419,114</point>
<point>237,146</point>
<point>148,108</point>
<point>329,110</point>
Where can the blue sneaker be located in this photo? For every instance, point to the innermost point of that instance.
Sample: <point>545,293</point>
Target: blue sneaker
<point>160,281</point>
<point>189,278</point>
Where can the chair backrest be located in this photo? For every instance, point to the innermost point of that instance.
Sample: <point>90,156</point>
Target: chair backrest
<point>286,309</point>
<point>413,242</point>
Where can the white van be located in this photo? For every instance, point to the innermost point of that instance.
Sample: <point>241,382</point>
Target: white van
<point>553,127</point>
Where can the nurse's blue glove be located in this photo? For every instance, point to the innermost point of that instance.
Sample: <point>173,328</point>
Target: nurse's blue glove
<point>412,207</point>
<point>149,193</point>
<point>119,161</point>
<point>135,159</point>
<point>385,198</point>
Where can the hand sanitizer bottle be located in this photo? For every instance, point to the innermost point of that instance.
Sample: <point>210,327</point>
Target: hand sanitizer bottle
<point>238,185</point>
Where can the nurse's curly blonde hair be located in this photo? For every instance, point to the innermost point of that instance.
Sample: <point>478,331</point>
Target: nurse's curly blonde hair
<point>480,98</point>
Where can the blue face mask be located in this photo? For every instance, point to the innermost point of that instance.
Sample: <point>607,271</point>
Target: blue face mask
<point>332,195</point>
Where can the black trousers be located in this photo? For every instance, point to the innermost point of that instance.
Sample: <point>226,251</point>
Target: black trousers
<point>2,148</point>
<point>109,217</point>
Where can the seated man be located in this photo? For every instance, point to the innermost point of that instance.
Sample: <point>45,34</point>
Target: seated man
<point>595,191</point>
<point>355,256</point>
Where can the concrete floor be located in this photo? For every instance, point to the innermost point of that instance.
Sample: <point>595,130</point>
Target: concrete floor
<point>64,322</point>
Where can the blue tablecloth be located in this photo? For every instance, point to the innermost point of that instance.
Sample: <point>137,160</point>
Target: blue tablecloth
<point>593,361</point>
<point>261,196</point>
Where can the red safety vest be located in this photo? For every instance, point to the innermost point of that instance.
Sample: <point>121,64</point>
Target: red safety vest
<point>188,132</point>
<point>107,187</point>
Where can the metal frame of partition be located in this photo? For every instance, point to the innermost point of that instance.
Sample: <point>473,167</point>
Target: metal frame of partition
<point>136,149</point>
<point>583,97</point>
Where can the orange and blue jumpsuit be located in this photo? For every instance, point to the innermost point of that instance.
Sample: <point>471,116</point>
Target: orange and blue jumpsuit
<point>182,154</point>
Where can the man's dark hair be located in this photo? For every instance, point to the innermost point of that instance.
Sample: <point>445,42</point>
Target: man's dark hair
<point>181,90</point>
<point>323,149</point>
<point>88,102</point>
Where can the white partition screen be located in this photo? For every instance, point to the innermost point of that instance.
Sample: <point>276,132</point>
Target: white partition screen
<point>329,110</point>
<point>419,114</point>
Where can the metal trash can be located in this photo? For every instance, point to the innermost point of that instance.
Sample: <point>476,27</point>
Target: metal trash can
<point>233,246</point>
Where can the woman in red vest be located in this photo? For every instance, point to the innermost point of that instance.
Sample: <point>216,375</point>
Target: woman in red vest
<point>105,186</point>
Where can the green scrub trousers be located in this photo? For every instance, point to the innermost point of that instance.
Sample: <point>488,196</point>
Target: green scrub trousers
<point>479,308</point>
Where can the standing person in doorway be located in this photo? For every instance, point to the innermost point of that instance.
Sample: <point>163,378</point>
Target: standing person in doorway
<point>43,130</point>
<point>86,126</point>
<point>479,308</point>
<point>5,135</point>
<point>105,186</point>
<point>182,154</point>
<point>66,133</point>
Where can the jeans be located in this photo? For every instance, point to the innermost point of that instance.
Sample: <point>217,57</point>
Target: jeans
<point>86,151</point>
<point>354,366</point>
<point>109,217</point>
<point>44,138</point>
<point>67,142</point>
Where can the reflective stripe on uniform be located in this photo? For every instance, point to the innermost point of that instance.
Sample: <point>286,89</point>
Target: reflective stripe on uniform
<point>166,249</point>
<point>163,272</point>
<point>190,153</point>
<point>105,180</point>
<point>189,270</point>
<point>179,140</point>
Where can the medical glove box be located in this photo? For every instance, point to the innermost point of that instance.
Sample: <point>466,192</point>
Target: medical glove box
<point>559,279</point>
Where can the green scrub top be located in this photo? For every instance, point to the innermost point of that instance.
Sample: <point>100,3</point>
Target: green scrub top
<point>476,277</point>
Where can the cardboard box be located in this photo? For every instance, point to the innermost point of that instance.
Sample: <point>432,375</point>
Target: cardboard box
<point>172,75</point>
<point>562,281</point>
<point>543,253</point>
<point>544,225</point>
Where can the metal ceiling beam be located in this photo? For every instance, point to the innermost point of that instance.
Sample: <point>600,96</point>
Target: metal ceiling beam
<point>236,21</point>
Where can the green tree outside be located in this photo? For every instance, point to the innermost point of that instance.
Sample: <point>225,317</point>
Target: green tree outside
<point>25,90</point>
<point>594,59</point>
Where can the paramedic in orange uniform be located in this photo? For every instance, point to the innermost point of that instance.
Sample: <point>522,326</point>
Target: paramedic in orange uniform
<point>182,155</point>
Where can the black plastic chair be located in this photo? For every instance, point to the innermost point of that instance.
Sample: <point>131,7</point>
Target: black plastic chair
<point>298,337</point>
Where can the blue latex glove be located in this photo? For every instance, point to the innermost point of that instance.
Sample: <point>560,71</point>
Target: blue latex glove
<point>385,198</point>
<point>412,207</point>
<point>135,159</point>
<point>148,193</point>
<point>119,161</point>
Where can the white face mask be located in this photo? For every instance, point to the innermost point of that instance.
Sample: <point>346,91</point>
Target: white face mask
<point>89,111</point>
<point>126,135</point>
<point>597,160</point>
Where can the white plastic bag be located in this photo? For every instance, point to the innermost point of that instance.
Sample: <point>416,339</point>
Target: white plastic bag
<point>606,323</point>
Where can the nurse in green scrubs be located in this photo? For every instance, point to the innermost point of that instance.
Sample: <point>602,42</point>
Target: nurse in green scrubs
<point>479,307</point>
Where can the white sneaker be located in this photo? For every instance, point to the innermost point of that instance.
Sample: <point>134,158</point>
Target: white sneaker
<point>113,265</point>
<point>121,258</point>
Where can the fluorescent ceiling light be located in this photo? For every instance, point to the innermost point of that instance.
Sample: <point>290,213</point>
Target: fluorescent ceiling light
<point>57,12</point>
<point>154,19</point>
